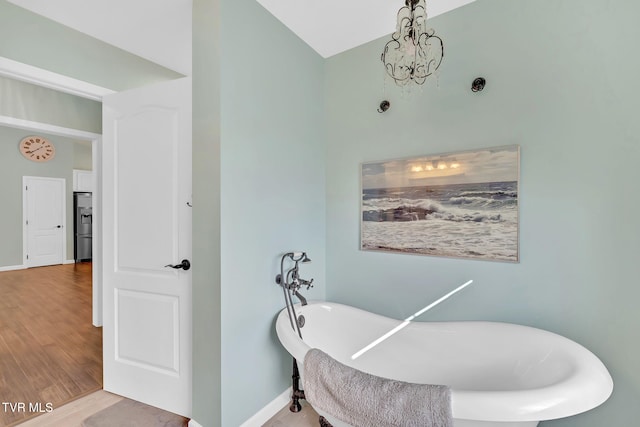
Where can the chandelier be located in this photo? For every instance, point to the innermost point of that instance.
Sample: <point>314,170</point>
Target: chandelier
<point>414,52</point>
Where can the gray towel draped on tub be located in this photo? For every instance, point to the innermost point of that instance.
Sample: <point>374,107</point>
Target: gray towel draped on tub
<point>365,400</point>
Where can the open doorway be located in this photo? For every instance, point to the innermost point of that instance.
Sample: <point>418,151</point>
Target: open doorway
<point>50,342</point>
<point>14,168</point>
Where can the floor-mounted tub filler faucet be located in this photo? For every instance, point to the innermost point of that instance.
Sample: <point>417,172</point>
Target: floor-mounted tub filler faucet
<point>291,282</point>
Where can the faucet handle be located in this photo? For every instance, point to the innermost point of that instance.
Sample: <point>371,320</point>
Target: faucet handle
<point>307,283</point>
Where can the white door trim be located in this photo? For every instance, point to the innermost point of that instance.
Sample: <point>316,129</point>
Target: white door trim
<point>38,76</point>
<point>25,214</point>
<point>97,197</point>
<point>50,129</point>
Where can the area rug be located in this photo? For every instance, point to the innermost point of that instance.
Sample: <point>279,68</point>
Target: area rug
<point>129,413</point>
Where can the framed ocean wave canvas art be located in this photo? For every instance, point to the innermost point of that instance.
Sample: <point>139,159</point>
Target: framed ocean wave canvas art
<point>462,204</point>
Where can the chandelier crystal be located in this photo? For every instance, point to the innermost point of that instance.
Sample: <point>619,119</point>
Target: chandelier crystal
<point>414,52</point>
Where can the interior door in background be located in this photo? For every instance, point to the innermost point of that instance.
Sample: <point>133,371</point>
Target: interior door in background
<point>44,201</point>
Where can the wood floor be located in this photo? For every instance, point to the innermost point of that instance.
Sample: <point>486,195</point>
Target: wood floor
<point>50,353</point>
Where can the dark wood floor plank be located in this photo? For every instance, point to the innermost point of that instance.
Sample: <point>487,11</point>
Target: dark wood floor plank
<point>49,350</point>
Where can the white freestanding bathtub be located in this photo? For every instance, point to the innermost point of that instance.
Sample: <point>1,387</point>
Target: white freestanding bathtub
<point>500,374</point>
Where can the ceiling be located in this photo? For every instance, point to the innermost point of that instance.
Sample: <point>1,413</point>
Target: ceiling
<point>157,30</point>
<point>333,26</point>
<point>160,30</point>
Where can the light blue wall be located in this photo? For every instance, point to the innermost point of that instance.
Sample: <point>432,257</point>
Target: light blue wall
<point>272,194</point>
<point>561,83</point>
<point>41,42</point>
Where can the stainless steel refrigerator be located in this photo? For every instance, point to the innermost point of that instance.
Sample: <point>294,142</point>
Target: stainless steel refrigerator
<point>82,226</point>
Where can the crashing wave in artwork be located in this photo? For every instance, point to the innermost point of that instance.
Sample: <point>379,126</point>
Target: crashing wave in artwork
<point>461,220</point>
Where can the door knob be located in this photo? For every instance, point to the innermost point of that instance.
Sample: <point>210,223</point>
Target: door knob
<point>185,265</point>
<point>58,226</point>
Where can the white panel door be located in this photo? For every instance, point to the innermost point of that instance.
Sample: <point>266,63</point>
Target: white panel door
<point>44,211</point>
<point>146,226</point>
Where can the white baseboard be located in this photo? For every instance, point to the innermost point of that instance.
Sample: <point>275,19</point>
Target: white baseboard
<point>24,267</point>
<point>193,423</point>
<point>13,267</point>
<point>272,408</point>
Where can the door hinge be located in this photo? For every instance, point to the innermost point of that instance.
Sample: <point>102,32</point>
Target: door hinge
<point>27,222</point>
<point>26,187</point>
<point>27,256</point>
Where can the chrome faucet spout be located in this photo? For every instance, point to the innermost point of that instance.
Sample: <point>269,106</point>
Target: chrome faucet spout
<point>302,299</point>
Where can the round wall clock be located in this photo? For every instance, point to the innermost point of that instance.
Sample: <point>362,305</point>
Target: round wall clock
<point>37,149</point>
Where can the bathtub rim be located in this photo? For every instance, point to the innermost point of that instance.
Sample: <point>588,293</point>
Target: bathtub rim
<point>488,405</point>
